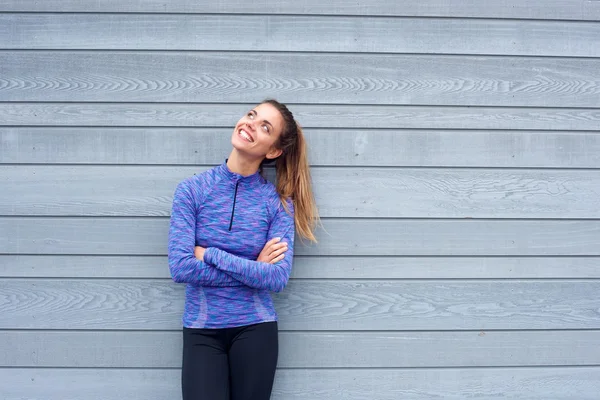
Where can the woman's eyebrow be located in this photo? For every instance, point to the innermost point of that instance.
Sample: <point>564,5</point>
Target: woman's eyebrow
<point>256,114</point>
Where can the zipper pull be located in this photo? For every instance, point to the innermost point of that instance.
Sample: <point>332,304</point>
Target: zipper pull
<point>233,208</point>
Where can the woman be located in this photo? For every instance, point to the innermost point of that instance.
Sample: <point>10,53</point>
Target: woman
<point>231,241</point>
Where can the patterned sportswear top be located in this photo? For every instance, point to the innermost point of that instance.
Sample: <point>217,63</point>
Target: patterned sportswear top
<point>232,216</point>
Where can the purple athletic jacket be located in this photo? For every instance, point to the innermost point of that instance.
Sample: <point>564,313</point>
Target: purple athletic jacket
<point>232,217</point>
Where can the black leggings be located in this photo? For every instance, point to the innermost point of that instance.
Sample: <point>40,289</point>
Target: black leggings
<point>229,364</point>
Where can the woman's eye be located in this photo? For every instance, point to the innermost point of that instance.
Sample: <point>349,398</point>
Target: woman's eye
<point>250,115</point>
<point>265,128</point>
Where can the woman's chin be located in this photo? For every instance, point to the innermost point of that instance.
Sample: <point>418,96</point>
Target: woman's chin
<point>243,150</point>
<point>237,144</point>
<point>240,147</point>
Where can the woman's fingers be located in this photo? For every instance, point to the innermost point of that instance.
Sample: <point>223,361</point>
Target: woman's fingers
<point>272,242</point>
<point>267,247</point>
<point>277,249</point>
<point>277,259</point>
<point>277,246</point>
<point>273,251</point>
<point>277,252</point>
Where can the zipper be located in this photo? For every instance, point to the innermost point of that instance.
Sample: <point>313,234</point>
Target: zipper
<point>233,208</point>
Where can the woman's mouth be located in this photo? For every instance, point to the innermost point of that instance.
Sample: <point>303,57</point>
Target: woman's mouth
<point>245,135</point>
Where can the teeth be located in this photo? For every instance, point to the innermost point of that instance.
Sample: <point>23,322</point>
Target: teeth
<point>245,135</point>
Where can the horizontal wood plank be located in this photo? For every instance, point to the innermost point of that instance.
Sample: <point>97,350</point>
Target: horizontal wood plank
<point>309,349</point>
<point>554,9</point>
<point>298,33</point>
<point>81,321</point>
<point>306,267</point>
<point>384,192</point>
<point>302,78</point>
<point>310,116</point>
<point>338,237</point>
<point>337,147</point>
<point>343,384</point>
<point>311,305</point>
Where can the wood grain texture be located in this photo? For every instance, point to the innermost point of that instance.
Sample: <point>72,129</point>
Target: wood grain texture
<point>298,33</point>
<point>306,267</point>
<point>409,294</point>
<point>311,305</point>
<point>331,147</point>
<point>310,116</point>
<point>384,192</point>
<point>549,9</point>
<point>355,384</point>
<point>302,78</point>
<point>309,349</point>
<point>338,237</point>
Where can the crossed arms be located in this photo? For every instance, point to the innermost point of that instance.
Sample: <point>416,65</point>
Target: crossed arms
<point>217,268</point>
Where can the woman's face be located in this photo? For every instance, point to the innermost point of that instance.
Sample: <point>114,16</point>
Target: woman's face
<point>258,131</point>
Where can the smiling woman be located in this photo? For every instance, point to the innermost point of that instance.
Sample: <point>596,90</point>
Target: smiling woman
<point>231,241</point>
<point>255,135</point>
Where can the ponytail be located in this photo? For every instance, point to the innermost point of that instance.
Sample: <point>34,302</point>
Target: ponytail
<point>293,174</point>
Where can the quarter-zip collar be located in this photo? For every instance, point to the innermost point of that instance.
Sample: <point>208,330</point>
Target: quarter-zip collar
<point>224,171</point>
<point>235,179</point>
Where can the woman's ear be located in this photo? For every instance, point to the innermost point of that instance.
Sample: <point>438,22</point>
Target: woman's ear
<point>273,153</point>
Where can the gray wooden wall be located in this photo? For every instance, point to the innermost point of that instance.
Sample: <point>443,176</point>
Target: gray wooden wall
<point>455,147</point>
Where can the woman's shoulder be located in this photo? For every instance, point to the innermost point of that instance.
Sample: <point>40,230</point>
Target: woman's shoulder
<point>203,178</point>
<point>269,191</point>
<point>274,200</point>
<point>268,188</point>
<point>197,184</point>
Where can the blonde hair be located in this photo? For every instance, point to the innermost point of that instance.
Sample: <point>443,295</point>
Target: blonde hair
<point>293,173</point>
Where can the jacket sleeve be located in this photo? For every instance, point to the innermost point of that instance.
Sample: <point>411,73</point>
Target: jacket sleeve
<point>183,264</point>
<point>257,274</point>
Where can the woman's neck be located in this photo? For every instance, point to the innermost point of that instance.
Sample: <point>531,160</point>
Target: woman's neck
<point>239,164</point>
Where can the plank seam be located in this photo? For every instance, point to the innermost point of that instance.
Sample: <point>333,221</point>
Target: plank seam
<point>362,219</point>
<point>314,105</point>
<point>302,15</point>
<point>315,166</point>
<point>532,366</point>
<point>287,53</point>
<point>308,256</point>
<point>304,331</point>
<point>345,280</point>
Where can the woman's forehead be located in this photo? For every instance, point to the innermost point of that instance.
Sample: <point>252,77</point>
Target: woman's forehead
<point>270,113</point>
<point>267,110</point>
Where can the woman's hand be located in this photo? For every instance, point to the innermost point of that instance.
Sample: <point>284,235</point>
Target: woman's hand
<point>199,252</point>
<point>273,251</point>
